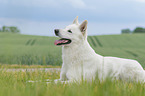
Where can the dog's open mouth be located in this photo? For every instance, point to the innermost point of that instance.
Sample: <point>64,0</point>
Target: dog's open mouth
<point>62,41</point>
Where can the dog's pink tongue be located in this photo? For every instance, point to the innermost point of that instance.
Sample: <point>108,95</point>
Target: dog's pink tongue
<point>56,42</point>
<point>60,41</point>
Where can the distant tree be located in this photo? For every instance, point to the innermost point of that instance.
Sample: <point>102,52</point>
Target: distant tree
<point>139,30</point>
<point>12,29</point>
<point>126,31</point>
<point>5,29</point>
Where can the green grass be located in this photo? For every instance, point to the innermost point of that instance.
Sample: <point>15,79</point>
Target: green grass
<point>14,84</point>
<point>16,66</point>
<point>40,50</point>
<point>27,50</point>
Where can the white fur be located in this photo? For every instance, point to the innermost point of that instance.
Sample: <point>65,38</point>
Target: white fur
<point>81,62</point>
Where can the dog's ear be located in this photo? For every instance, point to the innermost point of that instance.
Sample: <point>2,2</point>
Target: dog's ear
<point>76,21</point>
<point>83,27</point>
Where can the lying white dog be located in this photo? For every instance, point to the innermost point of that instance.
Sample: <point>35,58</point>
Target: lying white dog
<point>81,61</point>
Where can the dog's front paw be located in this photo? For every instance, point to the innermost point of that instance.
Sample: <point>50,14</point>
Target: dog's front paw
<point>48,80</point>
<point>57,80</point>
<point>30,81</point>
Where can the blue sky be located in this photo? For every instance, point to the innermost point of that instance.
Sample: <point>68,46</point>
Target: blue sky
<point>41,17</point>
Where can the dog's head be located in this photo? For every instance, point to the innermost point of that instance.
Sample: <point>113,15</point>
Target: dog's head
<point>73,34</point>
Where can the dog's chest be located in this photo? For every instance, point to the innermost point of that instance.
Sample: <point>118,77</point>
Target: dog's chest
<point>79,71</point>
<point>73,57</point>
<point>80,62</point>
<point>79,66</point>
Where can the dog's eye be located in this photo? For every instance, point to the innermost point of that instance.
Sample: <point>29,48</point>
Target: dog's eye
<point>70,31</point>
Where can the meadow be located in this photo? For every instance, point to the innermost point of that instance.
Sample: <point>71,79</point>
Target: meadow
<point>30,51</point>
<point>15,84</point>
<point>40,50</point>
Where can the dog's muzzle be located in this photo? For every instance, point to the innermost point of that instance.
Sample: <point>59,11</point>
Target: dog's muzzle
<point>62,41</point>
<point>56,32</point>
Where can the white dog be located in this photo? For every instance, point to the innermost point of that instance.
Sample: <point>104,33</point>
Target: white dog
<point>81,62</point>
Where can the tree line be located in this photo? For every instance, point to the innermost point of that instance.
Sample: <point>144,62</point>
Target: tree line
<point>12,29</point>
<point>136,30</point>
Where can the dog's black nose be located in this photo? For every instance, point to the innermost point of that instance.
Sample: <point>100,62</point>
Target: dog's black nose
<point>56,32</point>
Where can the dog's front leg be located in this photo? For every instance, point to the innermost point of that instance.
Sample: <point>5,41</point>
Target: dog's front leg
<point>62,82</point>
<point>63,76</point>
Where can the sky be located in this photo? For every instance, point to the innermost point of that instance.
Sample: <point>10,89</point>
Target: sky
<point>41,17</point>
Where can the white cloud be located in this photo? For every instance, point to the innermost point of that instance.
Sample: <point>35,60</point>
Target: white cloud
<point>33,27</point>
<point>142,1</point>
<point>80,4</point>
<point>48,3</point>
<point>4,1</point>
<point>47,28</point>
<point>77,3</point>
<point>31,3</point>
<point>34,3</point>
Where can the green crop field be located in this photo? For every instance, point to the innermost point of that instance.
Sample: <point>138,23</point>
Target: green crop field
<point>24,49</point>
<point>40,50</point>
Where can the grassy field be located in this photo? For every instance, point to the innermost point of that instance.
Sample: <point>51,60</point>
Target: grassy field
<point>40,50</point>
<point>15,84</point>
<point>26,50</point>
